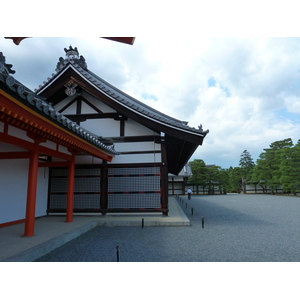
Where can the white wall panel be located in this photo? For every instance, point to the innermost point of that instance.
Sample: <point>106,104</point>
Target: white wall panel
<point>133,128</point>
<point>137,158</point>
<point>100,105</point>
<point>102,127</point>
<point>13,190</point>
<point>19,133</point>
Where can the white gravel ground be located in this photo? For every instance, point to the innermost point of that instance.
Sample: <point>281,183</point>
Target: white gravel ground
<point>237,228</point>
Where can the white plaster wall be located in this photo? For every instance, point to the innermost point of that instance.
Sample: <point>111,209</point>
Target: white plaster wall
<point>86,159</point>
<point>100,105</point>
<point>49,144</point>
<point>13,190</point>
<point>7,148</point>
<point>102,127</point>
<point>63,149</point>
<point>133,128</point>
<point>19,133</point>
<point>71,109</point>
<point>137,158</point>
<point>139,146</point>
<point>42,192</point>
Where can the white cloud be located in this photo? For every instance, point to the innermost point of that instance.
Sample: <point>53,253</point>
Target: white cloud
<point>257,80</point>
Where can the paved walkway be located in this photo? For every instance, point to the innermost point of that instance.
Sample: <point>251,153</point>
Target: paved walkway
<point>52,231</point>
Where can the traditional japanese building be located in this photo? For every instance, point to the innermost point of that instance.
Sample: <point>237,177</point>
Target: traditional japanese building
<point>178,182</point>
<point>79,144</point>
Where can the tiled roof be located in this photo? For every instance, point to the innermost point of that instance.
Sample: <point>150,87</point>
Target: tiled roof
<point>45,109</point>
<point>117,95</point>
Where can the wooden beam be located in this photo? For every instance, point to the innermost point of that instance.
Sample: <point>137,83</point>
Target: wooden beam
<point>164,178</point>
<point>70,195</point>
<point>15,155</point>
<point>140,152</point>
<point>84,117</point>
<point>11,140</point>
<point>53,164</point>
<point>131,139</point>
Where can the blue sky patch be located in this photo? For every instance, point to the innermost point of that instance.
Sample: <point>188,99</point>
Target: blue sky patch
<point>211,82</point>
<point>284,114</point>
<point>226,90</point>
<point>147,96</point>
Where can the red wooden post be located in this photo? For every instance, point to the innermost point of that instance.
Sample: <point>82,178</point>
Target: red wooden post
<point>164,176</point>
<point>70,196</point>
<point>31,192</point>
<point>104,187</point>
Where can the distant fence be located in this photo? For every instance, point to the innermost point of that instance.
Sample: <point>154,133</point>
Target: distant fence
<point>249,188</point>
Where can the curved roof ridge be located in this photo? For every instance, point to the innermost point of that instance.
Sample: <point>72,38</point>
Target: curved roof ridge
<point>132,98</point>
<point>126,100</point>
<point>133,103</point>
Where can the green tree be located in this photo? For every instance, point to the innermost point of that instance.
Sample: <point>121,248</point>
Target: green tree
<point>224,181</point>
<point>246,164</point>
<point>198,172</point>
<point>290,168</point>
<point>235,176</point>
<point>268,170</point>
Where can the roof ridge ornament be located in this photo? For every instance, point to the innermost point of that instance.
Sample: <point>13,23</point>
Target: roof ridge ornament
<point>72,55</point>
<point>5,68</point>
<point>72,52</point>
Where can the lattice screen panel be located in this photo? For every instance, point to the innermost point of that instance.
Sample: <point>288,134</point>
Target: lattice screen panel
<point>86,189</point>
<point>134,187</point>
<point>134,200</point>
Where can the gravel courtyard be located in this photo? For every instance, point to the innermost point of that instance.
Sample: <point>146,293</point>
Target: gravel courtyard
<point>237,228</point>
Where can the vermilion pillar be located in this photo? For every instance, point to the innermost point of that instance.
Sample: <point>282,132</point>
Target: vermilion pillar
<point>70,197</point>
<point>31,192</point>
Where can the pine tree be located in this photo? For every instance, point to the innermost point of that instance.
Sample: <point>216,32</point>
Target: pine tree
<point>246,162</point>
<point>246,166</point>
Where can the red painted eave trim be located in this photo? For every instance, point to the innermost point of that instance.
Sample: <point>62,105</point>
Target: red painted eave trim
<point>16,40</point>
<point>125,40</point>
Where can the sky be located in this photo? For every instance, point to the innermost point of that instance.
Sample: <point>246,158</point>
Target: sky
<point>246,91</point>
<point>231,66</point>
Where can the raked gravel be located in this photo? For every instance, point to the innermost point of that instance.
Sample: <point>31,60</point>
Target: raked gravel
<point>237,228</point>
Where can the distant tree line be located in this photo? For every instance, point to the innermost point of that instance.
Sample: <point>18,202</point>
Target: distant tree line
<point>277,166</point>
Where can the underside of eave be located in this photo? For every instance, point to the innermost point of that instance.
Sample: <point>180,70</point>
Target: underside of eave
<point>54,91</point>
<point>178,154</point>
<point>18,115</point>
